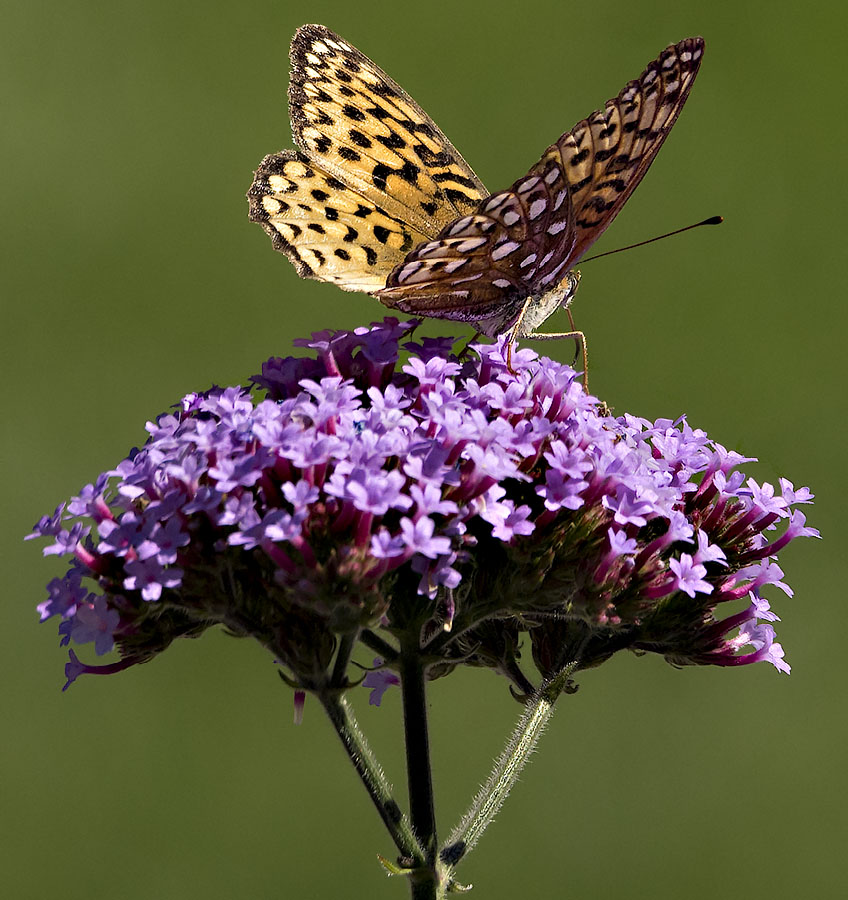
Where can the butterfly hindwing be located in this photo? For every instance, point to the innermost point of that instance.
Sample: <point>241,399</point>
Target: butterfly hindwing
<point>485,265</point>
<point>326,228</point>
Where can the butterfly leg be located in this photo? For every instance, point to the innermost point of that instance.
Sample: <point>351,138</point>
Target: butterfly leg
<point>580,341</point>
<point>513,334</point>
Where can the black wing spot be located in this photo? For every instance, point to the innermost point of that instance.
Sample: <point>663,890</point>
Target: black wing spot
<point>380,174</point>
<point>370,255</point>
<point>381,233</point>
<point>352,235</point>
<point>391,141</point>
<point>618,164</point>
<point>379,112</point>
<point>359,138</point>
<point>464,180</point>
<point>352,112</point>
<point>314,226</point>
<point>453,194</point>
<point>429,207</point>
<point>363,211</point>
<point>349,154</point>
<point>330,213</point>
<point>409,172</point>
<point>431,158</point>
<point>320,195</point>
<point>381,89</point>
<point>579,157</point>
<point>342,254</point>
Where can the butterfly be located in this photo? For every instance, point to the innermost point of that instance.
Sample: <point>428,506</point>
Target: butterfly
<point>375,198</point>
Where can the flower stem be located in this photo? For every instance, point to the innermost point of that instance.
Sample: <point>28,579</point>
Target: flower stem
<point>508,767</point>
<point>371,774</point>
<point>427,882</point>
<point>419,775</point>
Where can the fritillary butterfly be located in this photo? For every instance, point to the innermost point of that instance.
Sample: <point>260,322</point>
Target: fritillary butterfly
<point>377,199</point>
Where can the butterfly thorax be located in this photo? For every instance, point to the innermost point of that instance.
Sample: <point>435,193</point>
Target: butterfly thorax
<point>536,310</point>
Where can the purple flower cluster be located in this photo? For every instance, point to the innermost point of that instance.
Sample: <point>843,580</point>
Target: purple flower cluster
<point>363,497</point>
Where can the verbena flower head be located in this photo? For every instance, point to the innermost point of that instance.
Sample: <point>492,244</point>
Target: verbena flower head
<point>350,495</point>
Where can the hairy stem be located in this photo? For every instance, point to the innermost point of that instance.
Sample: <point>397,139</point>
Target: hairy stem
<point>508,767</point>
<point>371,774</point>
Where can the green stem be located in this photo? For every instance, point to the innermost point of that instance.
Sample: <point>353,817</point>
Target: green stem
<point>419,775</point>
<point>371,774</point>
<point>378,645</point>
<point>508,767</point>
<point>343,655</point>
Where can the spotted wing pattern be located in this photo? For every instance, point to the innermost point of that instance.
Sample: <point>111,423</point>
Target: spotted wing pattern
<point>372,176</point>
<point>521,242</point>
<point>485,265</point>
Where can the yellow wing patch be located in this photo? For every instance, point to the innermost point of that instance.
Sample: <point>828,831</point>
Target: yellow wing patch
<point>327,229</point>
<point>373,176</point>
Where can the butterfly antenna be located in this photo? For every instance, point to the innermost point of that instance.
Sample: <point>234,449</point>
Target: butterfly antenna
<point>713,220</point>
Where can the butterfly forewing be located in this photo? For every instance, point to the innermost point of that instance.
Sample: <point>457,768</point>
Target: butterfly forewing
<point>606,155</point>
<point>349,114</point>
<point>374,175</point>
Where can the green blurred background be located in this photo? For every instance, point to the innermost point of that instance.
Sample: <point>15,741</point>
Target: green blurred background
<point>131,276</point>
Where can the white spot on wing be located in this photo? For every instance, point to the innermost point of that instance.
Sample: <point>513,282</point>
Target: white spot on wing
<point>557,227</point>
<point>460,225</point>
<point>501,283</point>
<point>470,244</point>
<point>528,185</point>
<point>408,270</point>
<point>552,176</point>
<point>505,249</point>
<point>511,217</point>
<point>537,207</point>
<point>497,201</point>
<point>455,264</point>
<point>528,260</point>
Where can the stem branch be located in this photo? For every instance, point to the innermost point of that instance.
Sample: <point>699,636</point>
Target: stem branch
<point>371,774</point>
